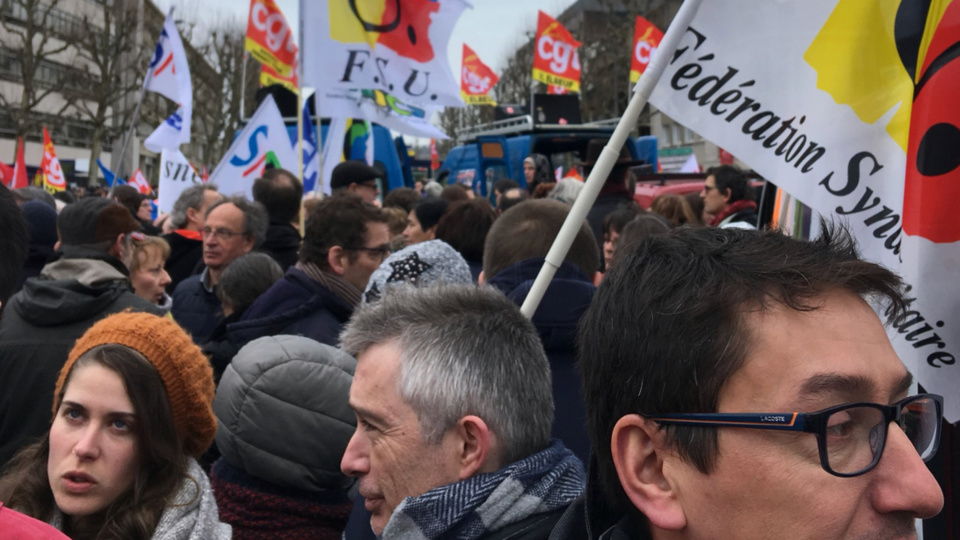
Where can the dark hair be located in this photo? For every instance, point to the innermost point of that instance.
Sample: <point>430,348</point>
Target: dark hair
<point>732,178</point>
<point>162,462</point>
<point>639,229</point>
<point>683,296</point>
<point>254,216</point>
<point>280,192</point>
<point>65,196</point>
<point>340,220</point>
<point>129,197</point>
<point>507,203</point>
<point>542,172</point>
<point>528,230</point>
<point>465,226</point>
<point>675,209</point>
<point>14,244</point>
<point>429,211</point>
<point>246,278</point>
<point>454,193</point>
<point>615,221</point>
<point>502,185</point>
<point>696,204</point>
<point>33,193</point>
<point>403,197</point>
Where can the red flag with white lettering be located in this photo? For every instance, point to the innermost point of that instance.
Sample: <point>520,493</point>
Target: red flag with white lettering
<point>476,79</point>
<point>646,38</point>
<point>555,59</point>
<point>269,38</point>
<point>53,179</point>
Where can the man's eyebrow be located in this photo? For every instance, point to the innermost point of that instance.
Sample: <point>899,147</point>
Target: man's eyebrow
<point>825,384</point>
<point>903,385</point>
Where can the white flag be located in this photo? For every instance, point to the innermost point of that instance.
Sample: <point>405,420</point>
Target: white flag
<point>357,48</point>
<point>384,109</point>
<point>169,75</point>
<point>176,175</point>
<point>245,160</point>
<point>834,107</point>
<point>333,149</point>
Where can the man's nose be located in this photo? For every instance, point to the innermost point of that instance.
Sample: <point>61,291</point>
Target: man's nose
<point>904,483</point>
<point>356,461</point>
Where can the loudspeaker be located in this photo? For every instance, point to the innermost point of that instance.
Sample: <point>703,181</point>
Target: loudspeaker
<point>557,109</point>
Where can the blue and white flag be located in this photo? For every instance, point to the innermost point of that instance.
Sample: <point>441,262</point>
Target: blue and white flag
<point>245,160</point>
<point>169,75</point>
<point>311,154</point>
<point>170,134</point>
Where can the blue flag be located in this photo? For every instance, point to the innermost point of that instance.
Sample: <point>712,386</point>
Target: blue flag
<point>108,175</point>
<point>311,156</point>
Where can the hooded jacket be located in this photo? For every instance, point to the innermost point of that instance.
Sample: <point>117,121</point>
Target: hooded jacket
<point>283,424</point>
<point>566,299</point>
<point>38,330</point>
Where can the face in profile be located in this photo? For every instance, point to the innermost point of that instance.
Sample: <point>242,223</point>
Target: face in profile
<point>414,232</point>
<point>529,169</point>
<point>94,454</point>
<point>150,279</point>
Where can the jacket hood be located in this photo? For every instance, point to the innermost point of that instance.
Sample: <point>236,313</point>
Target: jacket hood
<point>567,298</point>
<point>69,290</point>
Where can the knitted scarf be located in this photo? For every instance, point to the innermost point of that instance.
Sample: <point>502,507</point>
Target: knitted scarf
<point>731,209</point>
<point>334,283</point>
<point>544,482</point>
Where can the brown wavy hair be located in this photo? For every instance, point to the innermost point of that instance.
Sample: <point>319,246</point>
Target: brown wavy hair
<point>25,486</point>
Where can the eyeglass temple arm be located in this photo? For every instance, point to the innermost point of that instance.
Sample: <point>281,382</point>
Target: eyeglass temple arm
<point>778,421</point>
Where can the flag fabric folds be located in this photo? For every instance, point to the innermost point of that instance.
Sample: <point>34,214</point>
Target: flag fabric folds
<point>311,154</point>
<point>398,47</point>
<point>646,39</point>
<point>176,175</point>
<point>139,181</point>
<point>16,177</point>
<point>270,39</point>
<point>269,77</point>
<point>169,75</point>
<point>108,176</point>
<point>245,160</point>
<point>434,156</point>
<point>555,58</point>
<point>850,107</point>
<point>381,108</point>
<point>476,79</point>
<point>360,141</point>
<point>53,179</point>
<point>333,149</point>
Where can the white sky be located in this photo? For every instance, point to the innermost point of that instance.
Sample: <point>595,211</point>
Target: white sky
<point>493,28</point>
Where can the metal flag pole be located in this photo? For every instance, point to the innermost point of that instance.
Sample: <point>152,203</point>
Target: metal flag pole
<point>608,157</point>
<point>243,86</point>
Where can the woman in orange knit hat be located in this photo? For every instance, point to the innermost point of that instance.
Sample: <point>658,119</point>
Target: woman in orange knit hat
<point>131,413</point>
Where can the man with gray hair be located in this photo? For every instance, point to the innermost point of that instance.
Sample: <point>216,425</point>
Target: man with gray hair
<point>186,245</point>
<point>233,226</point>
<point>453,400</point>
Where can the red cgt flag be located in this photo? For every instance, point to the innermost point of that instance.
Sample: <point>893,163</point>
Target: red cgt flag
<point>555,59</point>
<point>53,179</point>
<point>476,79</point>
<point>646,39</point>
<point>269,38</point>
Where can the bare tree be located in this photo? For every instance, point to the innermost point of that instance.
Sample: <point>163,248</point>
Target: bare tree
<point>107,48</point>
<point>35,43</point>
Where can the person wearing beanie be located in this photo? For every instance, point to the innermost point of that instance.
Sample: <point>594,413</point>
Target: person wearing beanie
<point>282,479</point>
<point>118,463</point>
<point>419,265</point>
<point>87,280</point>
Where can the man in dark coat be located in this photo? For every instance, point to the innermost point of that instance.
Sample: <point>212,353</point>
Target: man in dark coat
<point>616,191</point>
<point>511,262</point>
<point>233,226</point>
<point>186,244</point>
<point>87,282</point>
<point>346,240</point>
<point>280,193</point>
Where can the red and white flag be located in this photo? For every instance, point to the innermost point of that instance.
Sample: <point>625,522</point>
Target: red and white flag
<point>646,39</point>
<point>270,39</point>
<point>15,177</point>
<point>169,75</point>
<point>555,59</point>
<point>139,181</point>
<point>434,156</point>
<point>53,179</point>
<point>476,79</point>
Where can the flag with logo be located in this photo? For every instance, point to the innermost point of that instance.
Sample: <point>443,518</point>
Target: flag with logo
<point>311,154</point>
<point>53,179</point>
<point>476,79</point>
<point>176,175</point>
<point>269,77</point>
<point>245,160</point>
<point>139,181</point>
<point>381,108</point>
<point>270,39</point>
<point>851,107</point>
<point>394,46</point>
<point>360,141</point>
<point>555,59</point>
<point>169,75</point>
<point>646,39</point>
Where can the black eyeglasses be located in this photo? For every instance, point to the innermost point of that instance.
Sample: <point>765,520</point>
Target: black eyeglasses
<point>850,437</point>
<point>381,252</point>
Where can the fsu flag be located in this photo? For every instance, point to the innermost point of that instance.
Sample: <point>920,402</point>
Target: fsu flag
<point>268,76</point>
<point>269,38</point>
<point>53,179</point>
<point>555,59</point>
<point>476,79</point>
<point>646,38</point>
<point>851,107</point>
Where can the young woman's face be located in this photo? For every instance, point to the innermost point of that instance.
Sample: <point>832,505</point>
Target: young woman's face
<point>414,232</point>
<point>529,169</point>
<point>93,446</point>
<point>150,279</point>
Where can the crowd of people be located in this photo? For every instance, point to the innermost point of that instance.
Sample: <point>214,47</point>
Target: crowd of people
<point>226,372</point>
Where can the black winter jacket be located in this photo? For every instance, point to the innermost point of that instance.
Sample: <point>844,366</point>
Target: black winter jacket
<point>282,244</point>
<point>196,309</point>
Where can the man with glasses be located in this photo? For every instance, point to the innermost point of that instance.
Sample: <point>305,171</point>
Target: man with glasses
<point>755,396</point>
<point>728,199</point>
<point>234,226</point>
<point>345,240</point>
<point>358,178</point>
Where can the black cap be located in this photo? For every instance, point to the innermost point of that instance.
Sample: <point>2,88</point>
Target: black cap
<point>352,172</point>
<point>93,220</point>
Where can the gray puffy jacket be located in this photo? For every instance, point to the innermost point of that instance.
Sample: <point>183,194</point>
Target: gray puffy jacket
<point>283,414</point>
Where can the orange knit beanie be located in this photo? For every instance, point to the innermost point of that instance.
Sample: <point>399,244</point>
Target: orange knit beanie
<point>185,371</point>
